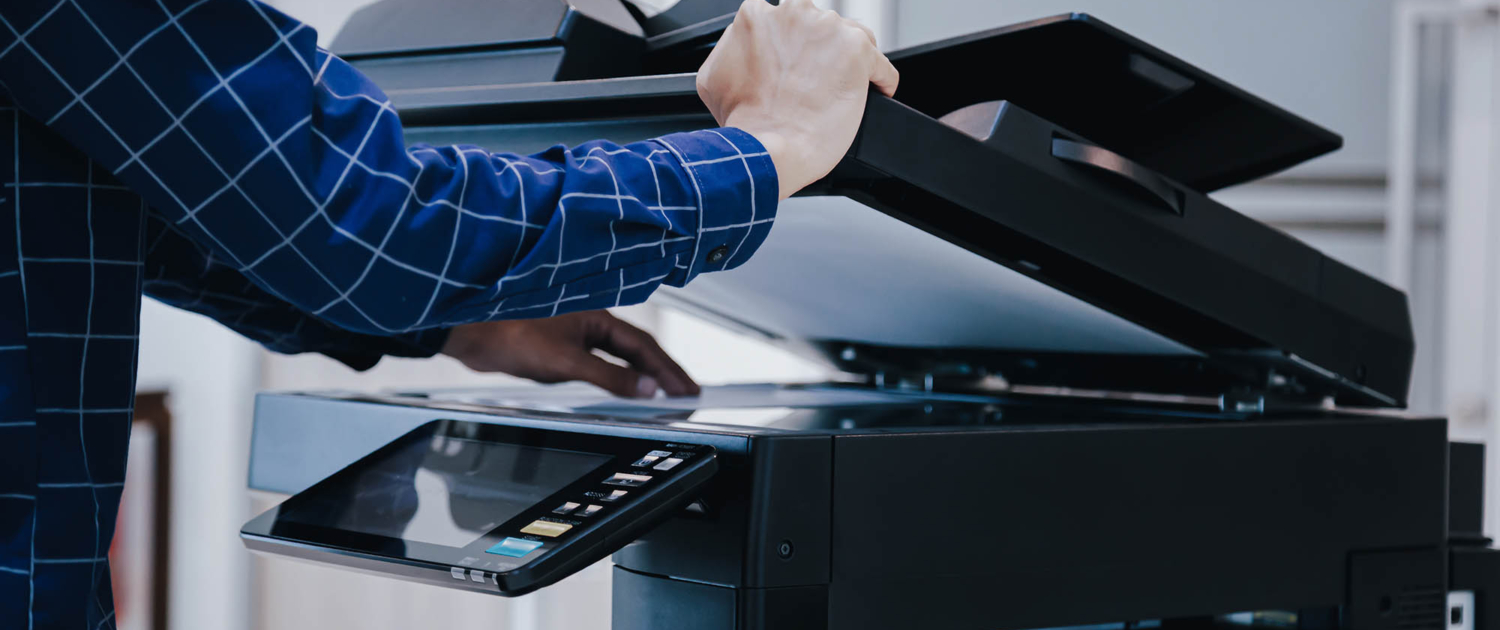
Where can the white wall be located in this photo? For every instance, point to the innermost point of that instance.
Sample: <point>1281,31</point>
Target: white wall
<point>1327,60</point>
<point>211,375</point>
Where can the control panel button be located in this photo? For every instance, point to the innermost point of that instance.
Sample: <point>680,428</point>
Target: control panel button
<point>614,495</point>
<point>457,573</point>
<point>591,510</point>
<point>659,454</point>
<point>512,547</point>
<point>628,480</point>
<point>476,575</point>
<point>667,464</point>
<point>645,461</point>
<point>566,508</point>
<point>546,528</point>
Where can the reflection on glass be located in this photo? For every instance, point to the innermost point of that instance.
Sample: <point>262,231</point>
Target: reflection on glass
<point>444,491</point>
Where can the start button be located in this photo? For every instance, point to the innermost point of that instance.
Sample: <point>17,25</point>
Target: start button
<point>511,547</point>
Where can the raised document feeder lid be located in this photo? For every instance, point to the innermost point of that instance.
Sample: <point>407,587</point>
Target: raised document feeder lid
<point>939,247</point>
<point>1105,85</point>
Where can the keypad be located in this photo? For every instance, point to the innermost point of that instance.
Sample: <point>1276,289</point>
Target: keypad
<point>589,505</point>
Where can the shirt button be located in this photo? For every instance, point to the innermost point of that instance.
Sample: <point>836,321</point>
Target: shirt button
<point>718,253</point>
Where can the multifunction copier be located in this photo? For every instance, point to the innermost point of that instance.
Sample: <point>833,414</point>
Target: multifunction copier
<point>1075,390</point>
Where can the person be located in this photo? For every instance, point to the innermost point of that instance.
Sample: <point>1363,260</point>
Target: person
<point>208,154</point>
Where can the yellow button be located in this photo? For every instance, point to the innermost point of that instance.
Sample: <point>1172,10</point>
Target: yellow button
<point>546,528</point>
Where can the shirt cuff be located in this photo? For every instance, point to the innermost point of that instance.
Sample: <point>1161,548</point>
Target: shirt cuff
<point>737,193</point>
<point>363,356</point>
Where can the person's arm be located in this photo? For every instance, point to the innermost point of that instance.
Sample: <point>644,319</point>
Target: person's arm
<point>290,166</point>
<point>182,273</point>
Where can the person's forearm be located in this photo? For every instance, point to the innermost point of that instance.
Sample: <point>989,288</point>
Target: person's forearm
<point>182,273</point>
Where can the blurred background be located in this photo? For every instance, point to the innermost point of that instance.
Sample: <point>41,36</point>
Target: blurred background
<point>1410,86</point>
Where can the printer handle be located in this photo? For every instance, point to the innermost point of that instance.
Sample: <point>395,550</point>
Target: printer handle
<point>1121,168</point>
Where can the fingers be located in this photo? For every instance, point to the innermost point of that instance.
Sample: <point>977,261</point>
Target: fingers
<point>617,380</point>
<point>885,76</point>
<point>640,349</point>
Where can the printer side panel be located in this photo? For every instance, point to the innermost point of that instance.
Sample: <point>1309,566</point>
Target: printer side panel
<point>757,560</point>
<point>1092,524</point>
<point>766,523</point>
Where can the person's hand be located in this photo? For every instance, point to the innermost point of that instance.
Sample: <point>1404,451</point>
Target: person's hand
<point>558,349</point>
<point>796,77</point>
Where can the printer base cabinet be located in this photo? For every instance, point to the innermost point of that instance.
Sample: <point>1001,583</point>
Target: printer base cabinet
<point>1314,524</point>
<point>1397,590</point>
<point>646,602</point>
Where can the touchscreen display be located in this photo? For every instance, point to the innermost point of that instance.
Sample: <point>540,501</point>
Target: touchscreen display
<point>443,490</point>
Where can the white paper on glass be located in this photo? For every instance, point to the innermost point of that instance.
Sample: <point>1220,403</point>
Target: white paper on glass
<point>582,398</point>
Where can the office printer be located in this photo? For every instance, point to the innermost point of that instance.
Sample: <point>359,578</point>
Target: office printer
<point>1076,390</point>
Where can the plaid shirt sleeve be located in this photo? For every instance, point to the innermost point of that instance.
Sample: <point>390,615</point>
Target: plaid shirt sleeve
<point>289,166</point>
<point>183,273</point>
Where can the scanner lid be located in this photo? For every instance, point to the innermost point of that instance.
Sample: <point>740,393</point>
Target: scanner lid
<point>1058,238</point>
<point>1120,92</point>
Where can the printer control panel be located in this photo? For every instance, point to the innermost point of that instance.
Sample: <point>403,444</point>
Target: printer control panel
<point>479,506</point>
<point>573,513</point>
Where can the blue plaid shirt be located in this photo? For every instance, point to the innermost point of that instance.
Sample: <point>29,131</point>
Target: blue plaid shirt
<point>210,155</point>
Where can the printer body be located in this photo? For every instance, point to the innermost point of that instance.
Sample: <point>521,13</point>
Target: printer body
<point>1076,390</point>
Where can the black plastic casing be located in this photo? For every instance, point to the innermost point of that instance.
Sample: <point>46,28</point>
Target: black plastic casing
<point>1089,517</point>
<point>1028,527</point>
